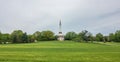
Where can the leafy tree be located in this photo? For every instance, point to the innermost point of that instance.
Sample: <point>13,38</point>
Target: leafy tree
<point>93,38</point>
<point>85,35</point>
<point>89,36</point>
<point>16,36</point>
<point>82,35</point>
<point>5,38</point>
<point>117,36</point>
<point>111,37</point>
<point>47,35</point>
<point>99,37</point>
<point>106,39</point>
<point>31,38</point>
<point>24,38</point>
<point>70,35</point>
<point>37,35</point>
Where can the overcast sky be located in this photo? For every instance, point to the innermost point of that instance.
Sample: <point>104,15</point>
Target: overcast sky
<point>76,15</point>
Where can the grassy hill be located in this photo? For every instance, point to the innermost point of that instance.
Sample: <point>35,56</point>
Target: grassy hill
<point>55,51</point>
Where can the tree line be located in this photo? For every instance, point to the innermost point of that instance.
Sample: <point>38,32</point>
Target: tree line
<point>85,36</point>
<point>18,36</point>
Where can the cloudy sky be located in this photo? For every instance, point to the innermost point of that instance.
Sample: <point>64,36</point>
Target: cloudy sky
<point>76,15</point>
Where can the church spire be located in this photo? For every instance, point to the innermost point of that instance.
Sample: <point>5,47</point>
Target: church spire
<point>60,26</point>
<point>60,35</point>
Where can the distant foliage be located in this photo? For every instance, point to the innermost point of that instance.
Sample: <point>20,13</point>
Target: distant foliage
<point>37,35</point>
<point>99,37</point>
<point>85,35</point>
<point>70,35</point>
<point>111,37</point>
<point>31,38</point>
<point>47,35</point>
<point>25,38</point>
<point>18,36</point>
<point>117,36</point>
<point>5,38</point>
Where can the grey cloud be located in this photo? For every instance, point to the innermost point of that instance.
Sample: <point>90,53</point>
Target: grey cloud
<point>76,15</point>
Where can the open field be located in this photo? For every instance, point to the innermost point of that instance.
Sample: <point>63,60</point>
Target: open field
<point>55,51</point>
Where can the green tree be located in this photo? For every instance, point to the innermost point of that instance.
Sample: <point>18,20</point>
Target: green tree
<point>25,38</point>
<point>5,38</point>
<point>89,36</point>
<point>93,38</point>
<point>105,39</point>
<point>117,36</point>
<point>31,38</point>
<point>99,37</point>
<point>16,36</point>
<point>47,35</point>
<point>111,37</point>
<point>70,35</point>
<point>37,35</point>
<point>82,35</point>
<point>85,35</point>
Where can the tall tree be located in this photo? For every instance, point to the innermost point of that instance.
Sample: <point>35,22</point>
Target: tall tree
<point>111,37</point>
<point>89,36</point>
<point>37,35</point>
<point>85,35</point>
<point>117,36</point>
<point>5,38</point>
<point>70,35</point>
<point>47,35</point>
<point>31,38</point>
<point>24,38</point>
<point>99,37</point>
<point>105,38</point>
<point>16,36</point>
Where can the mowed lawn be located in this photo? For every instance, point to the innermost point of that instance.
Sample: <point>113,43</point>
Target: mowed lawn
<point>56,51</point>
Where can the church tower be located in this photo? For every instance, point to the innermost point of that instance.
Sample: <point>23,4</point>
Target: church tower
<point>60,35</point>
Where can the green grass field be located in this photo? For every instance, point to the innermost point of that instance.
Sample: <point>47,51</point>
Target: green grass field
<point>55,51</point>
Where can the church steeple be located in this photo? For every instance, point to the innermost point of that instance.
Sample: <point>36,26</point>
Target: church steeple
<point>60,35</point>
<point>60,25</point>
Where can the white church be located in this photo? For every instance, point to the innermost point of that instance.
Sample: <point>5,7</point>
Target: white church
<point>60,35</point>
